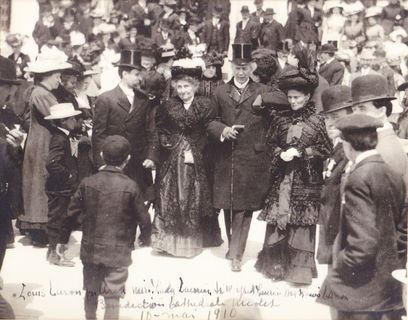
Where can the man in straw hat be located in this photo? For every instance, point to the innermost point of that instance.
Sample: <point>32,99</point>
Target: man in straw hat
<point>240,171</point>
<point>337,103</point>
<point>360,285</point>
<point>62,178</point>
<point>125,111</point>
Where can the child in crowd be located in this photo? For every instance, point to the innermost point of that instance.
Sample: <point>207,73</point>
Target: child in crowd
<point>62,179</point>
<point>111,205</point>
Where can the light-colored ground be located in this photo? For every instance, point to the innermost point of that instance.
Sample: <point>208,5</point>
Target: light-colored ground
<point>38,290</point>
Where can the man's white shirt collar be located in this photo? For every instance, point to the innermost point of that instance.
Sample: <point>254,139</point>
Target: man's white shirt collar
<point>128,93</point>
<point>64,130</point>
<point>239,85</point>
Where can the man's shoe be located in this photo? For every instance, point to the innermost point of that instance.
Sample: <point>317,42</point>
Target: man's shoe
<point>54,258</point>
<point>228,256</point>
<point>236,265</point>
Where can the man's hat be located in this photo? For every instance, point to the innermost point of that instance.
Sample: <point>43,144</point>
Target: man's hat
<point>373,12</point>
<point>403,86</point>
<point>62,111</point>
<point>357,122</point>
<point>269,12</point>
<point>336,98</point>
<point>241,53</point>
<point>369,88</point>
<point>218,10</point>
<point>258,1</point>
<point>115,149</point>
<point>14,40</point>
<point>131,59</point>
<point>8,71</point>
<point>284,46</point>
<point>244,9</point>
<point>329,47</point>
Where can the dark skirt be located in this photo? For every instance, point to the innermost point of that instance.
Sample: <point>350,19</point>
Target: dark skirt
<point>288,255</point>
<point>177,224</point>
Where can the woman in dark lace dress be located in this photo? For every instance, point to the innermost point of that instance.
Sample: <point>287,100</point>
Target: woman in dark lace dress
<point>212,76</point>
<point>298,144</point>
<point>184,198</point>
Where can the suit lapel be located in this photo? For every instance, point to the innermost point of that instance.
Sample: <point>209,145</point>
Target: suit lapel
<point>123,101</point>
<point>248,92</point>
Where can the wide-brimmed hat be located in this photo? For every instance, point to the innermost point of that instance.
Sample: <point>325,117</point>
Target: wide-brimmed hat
<point>131,59</point>
<point>241,53</point>
<point>62,111</point>
<point>107,28</point>
<point>373,12</point>
<point>353,11</point>
<point>77,38</point>
<point>8,71</point>
<point>399,32</point>
<point>343,56</point>
<point>336,98</point>
<point>294,78</point>
<point>14,40</point>
<point>369,88</point>
<point>329,5</point>
<point>184,65</point>
<point>50,59</point>
<point>97,13</point>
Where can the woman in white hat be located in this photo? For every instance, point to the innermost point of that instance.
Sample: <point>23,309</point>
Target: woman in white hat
<point>353,27</point>
<point>333,23</point>
<point>47,76</point>
<point>374,31</point>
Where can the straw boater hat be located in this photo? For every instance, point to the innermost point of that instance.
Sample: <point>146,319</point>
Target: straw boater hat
<point>336,98</point>
<point>62,111</point>
<point>77,38</point>
<point>50,59</point>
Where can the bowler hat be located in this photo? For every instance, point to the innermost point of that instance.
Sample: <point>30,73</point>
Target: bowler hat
<point>244,9</point>
<point>357,122</point>
<point>258,1</point>
<point>218,10</point>
<point>369,88</point>
<point>115,150</point>
<point>131,59</point>
<point>269,12</point>
<point>8,71</point>
<point>329,48</point>
<point>336,98</point>
<point>241,53</point>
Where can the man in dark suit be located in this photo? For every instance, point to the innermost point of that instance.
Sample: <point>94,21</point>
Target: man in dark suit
<point>239,153</point>
<point>337,103</point>
<point>272,33</point>
<point>258,14</point>
<point>247,30</point>
<point>365,251</point>
<point>124,111</point>
<point>216,32</point>
<point>330,68</point>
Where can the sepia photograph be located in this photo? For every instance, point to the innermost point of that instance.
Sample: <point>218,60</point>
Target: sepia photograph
<point>203,159</point>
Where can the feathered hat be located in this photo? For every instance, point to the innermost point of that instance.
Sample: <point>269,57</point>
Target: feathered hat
<point>185,65</point>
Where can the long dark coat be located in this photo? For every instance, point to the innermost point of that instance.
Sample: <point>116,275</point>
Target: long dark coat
<point>249,34</point>
<point>223,39</point>
<point>251,178</point>
<point>112,117</point>
<point>365,251</point>
<point>271,35</point>
<point>330,204</point>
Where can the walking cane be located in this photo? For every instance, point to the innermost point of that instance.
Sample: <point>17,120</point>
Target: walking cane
<point>231,186</point>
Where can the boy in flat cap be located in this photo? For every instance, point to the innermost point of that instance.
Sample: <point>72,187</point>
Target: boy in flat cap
<point>111,205</point>
<point>366,251</point>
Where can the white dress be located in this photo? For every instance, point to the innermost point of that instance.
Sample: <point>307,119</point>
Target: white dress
<point>332,28</point>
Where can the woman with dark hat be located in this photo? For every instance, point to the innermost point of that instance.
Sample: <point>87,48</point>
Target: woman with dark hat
<point>183,198</point>
<point>298,145</point>
<point>212,75</point>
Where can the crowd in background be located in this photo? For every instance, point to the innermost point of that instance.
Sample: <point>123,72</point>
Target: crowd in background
<point>153,72</point>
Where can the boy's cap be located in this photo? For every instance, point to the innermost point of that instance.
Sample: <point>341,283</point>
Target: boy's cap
<point>355,122</point>
<point>115,149</point>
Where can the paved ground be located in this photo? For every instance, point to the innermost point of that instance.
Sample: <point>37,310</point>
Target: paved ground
<point>159,287</point>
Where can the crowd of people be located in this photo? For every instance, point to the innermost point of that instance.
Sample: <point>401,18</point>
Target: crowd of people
<point>126,108</point>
